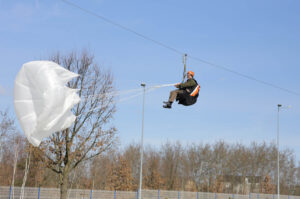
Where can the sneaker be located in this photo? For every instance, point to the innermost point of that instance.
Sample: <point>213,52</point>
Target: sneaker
<point>167,105</point>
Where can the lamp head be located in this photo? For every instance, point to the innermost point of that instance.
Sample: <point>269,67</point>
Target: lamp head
<point>284,107</point>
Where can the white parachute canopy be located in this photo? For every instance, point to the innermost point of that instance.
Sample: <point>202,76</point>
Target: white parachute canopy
<point>42,100</point>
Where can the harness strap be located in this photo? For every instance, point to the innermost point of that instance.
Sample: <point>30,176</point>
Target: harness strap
<point>195,91</point>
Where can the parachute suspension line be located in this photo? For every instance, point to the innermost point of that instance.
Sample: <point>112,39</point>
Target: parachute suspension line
<point>184,70</point>
<point>162,85</point>
<point>98,107</point>
<point>101,95</point>
<point>114,93</point>
<point>150,89</point>
<point>129,97</point>
<point>117,93</point>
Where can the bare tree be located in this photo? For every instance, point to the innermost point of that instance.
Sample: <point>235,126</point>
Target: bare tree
<point>91,133</point>
<point>10,148</point>
<point>171,155</point>
<point>7,129</point>
<point>26,170</point>
<point>132,154</point>
<point>101,168</point>
<point>152,176</point>
<point>287,171</point>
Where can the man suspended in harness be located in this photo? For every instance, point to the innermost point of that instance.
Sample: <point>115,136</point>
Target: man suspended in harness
<point>187,92</point>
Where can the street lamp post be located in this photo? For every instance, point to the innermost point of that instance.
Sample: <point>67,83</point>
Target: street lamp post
<point>278,186</point>
<point>279,107</point>
<point>142,144</point>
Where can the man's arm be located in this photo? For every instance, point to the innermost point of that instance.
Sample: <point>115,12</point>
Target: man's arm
<point>188,83</point>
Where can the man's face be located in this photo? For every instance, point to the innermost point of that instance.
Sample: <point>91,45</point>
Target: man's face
<point>189,76</point>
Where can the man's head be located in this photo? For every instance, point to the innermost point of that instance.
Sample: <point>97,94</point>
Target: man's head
<point>190,74</point>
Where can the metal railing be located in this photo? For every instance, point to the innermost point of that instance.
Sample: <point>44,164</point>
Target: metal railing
<point>53,193</point>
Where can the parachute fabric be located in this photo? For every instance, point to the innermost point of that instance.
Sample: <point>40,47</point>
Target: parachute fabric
<point>42,100</point>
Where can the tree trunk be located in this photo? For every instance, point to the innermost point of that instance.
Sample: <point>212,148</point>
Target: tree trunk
<point>64,184</point>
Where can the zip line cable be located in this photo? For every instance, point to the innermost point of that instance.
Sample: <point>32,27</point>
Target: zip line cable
<point>245,76</point>
<point>176,50</point>
<point>121,26</point>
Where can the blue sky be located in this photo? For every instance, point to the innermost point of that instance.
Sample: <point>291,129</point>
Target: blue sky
<point>256,38</point>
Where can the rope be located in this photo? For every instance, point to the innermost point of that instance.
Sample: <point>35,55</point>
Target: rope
<point>162,85</point>
<point>148,90</point>
<point>117,93</point>
<point>128,98</point>
<point>114,93</point>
